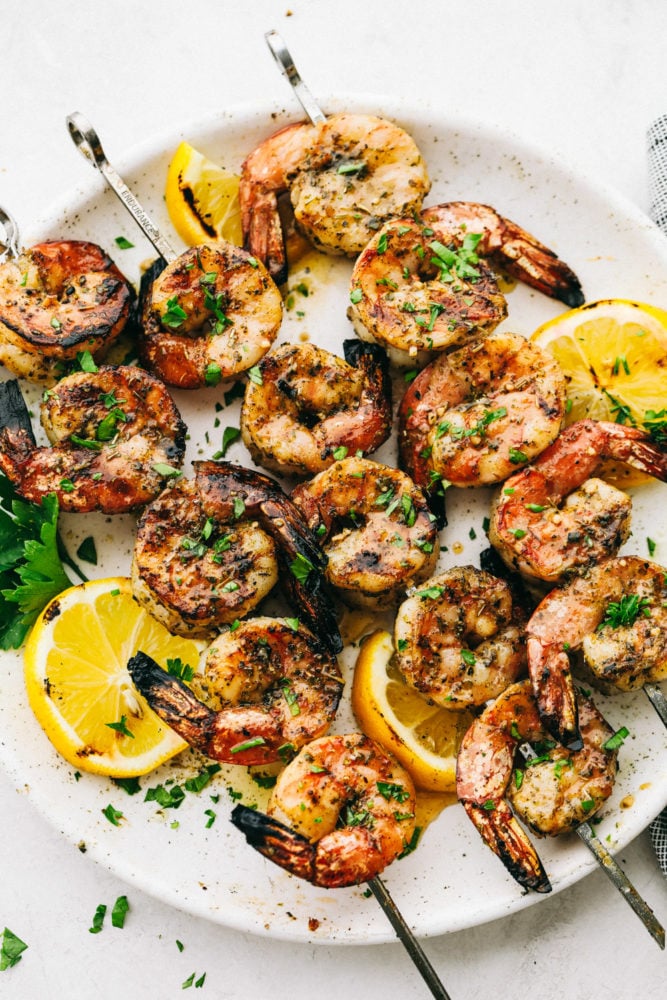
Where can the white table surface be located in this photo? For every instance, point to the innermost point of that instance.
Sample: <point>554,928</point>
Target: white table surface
<point>582,78</point>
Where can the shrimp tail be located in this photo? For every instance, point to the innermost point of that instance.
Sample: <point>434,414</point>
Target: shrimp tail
<point>634,446</point>
<point>17,440</point>
<point>503,834</point>
<point>173,701</point>
<point>556,697</point>
<point>528,260</point>
<point>262,228</point>
<point>276,841</point>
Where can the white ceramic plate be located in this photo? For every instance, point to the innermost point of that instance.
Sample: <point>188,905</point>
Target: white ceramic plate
<point>452,881</point>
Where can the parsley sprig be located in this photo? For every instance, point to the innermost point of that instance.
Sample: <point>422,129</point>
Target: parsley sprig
<point>626,611</point>
<point>31,562</point>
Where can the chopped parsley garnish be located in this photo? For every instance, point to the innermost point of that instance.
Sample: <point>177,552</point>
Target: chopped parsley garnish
<point>163,469</point>
<point>459,263</point>
<point>431,592</point>
<point>183,671</point>
<point>516,456</point>
<point>356,295</point>
<point>120,727</point>
<point>617,740</point>
<point>11,949</point>
<point>122,243</point>
<point>98,919</point>
<point>213,374</point>
<point>301,568</point>
<point>87,551</point>
<point>477,430</point>
<point>255,375</point>
<point>175,315</point>
<point>113,815</point>
<point>119,911</point>
<point>390,790</point>
<point>625,612</point>
<point>229,436</point>
<point>468,657</point>
<point>340,453</point>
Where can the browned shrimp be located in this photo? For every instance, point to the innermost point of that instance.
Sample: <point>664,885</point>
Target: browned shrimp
<point>208,551</point>
<point>554,518</point>
<point>307,407</point>
<point>269,686</point>
<point>473,416</point>
<point>375,527</point>
<point>345,176</point>
<point>209,315</point>
<point>117,440</point>
<point>340,812</point>
<point>459,638</point>
<point>614,618</point>
<point>553,793</point>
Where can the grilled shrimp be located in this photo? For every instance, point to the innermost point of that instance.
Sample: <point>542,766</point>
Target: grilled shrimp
<point>472,416</point>
<point>459,638</point>
<point>613,619</point>
<point>56,299</point>
<point>416,300</point>
<point>423,285</point>
<point>210,314</point>
<point>270,687</point>
<point>308,406</point>
<point>209,550</point>
<point>506,246</point>
<point>552,794</point>
<point>340,812</point>
<point>375,527</point>
<point>554,518</point>
<point>345,176</point>
<point>117,439</point>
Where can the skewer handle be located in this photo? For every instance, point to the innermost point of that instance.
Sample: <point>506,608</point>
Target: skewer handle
<point>615,873</point>
<point>87,141</point>
<point>407,939</point>
<point>286,63</point>
<point>658,700</point>
<point>11,240</point>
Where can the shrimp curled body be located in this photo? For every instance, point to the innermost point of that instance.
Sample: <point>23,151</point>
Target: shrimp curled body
<point>307,404</point>
<point>473,416</point>
<point>554,517</point>
<point>340,812</point>
<point>56,299</point>
<point>117,438</point>
<point>270,688</point>
<point>209,315</point>
<point>345,176</point>
<point>375,527</point>
<point>612,621</point>
<point>556,792</point>
<point>459,638</point>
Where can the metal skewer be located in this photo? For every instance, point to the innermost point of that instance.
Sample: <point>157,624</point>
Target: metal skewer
<point>286,63</point>
<point>658,700</point>
<point>613,870</point>
<point>87,141</point>
<point>11,240</point>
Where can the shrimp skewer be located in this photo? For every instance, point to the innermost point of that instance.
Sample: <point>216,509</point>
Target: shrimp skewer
<point>556,793</point>
<point>271,688</point>
<point>307,406</point>
<point>613,619</point>
<point>459,638</point>
<point>345,176</point>
<point>554,518</point>
<point>208,551</point>
<point>473,416</point>
<point>209,314</point>
<point>340,812</point>
<point>375,527</point>
<point>57,299</point>
<point>117,440</point>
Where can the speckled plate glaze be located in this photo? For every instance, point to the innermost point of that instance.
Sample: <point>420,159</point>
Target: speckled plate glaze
<point>452,881</point>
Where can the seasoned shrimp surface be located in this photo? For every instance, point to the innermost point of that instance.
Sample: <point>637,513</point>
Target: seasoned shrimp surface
<point>376,530</point>
<point>308,406</point>
<point>553,794</point>
<point>208,551</point>
<point>210,314</point>
<point>416,299</point>
<point>117,439</point>
<point>613,620</point>
<point>56,299</point>
<point>506,246</point>
<point>340,812</point>
<point>459,638</point>
<point>473,416</point>
<point>345,176</point>
<point>554,517</point>
<point>268,688</point>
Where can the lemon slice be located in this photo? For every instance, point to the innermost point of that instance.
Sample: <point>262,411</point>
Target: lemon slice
<point>202,198</point>
<point>614,355</point>
<point>424,737</point>
<point>78,684</point>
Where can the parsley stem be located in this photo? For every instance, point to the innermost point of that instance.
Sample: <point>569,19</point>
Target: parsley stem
<point>67,560</point>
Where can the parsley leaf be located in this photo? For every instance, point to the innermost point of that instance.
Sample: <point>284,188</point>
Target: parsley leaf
<point>10,949</point>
